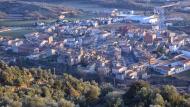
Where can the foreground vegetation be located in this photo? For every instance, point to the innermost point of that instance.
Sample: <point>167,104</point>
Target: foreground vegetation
<point>40,88</point>
<point>22,87</point>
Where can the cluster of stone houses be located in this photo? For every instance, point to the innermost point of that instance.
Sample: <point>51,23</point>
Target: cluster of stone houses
<point>123,52</point>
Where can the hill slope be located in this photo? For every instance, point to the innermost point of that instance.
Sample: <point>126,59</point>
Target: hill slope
<point>30,9</point>
<point>40,88</point>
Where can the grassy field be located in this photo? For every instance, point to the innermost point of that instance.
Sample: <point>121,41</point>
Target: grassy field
<point>20,23</point>
<point>27,26</point>
<point>17,33</point>
<point>184,75</point>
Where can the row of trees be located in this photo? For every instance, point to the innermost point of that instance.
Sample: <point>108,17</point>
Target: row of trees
<point>141,94</point>
<point>40,88</point>
<point>21,87</point>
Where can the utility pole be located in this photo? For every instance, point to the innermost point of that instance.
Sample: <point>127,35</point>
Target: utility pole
<point>54,72</point>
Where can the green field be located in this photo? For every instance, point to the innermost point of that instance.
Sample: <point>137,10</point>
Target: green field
<point>27,26</point>
<point>184,75</point>
<point>17,33</point>
<point>19,23</point>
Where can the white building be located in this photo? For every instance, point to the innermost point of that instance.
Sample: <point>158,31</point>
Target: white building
<point>142,19</point>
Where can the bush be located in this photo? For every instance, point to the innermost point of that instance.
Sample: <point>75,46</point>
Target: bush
<point>65,103</point>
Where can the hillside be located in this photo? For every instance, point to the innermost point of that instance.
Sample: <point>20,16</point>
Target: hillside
<point>53,8</point>
<point>21,87</point>
<point>40,88</point>
<point>26,9</point>
<point>124,4</point>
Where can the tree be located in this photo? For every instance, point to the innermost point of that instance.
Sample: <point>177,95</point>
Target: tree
<point>38,94</point>
<point>57,84</point>
<point>19,81</point>
<point>16,104</point>
<point>158,100</point>
<point>65,103</point>
<point>143,97</point>
<point>74,93</point>
<point>34,102</point>
<point>170,94</point>
<point>186,103</point>
<point>3,65</point>
<point>155,106</point>
<point>92,94</point>
<point>129,96</point>
<point>45,92</point>
<point>113,101</point>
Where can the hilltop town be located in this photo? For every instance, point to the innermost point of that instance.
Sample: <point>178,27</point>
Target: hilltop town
<point>122,46</point>
<point>94,53</point>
